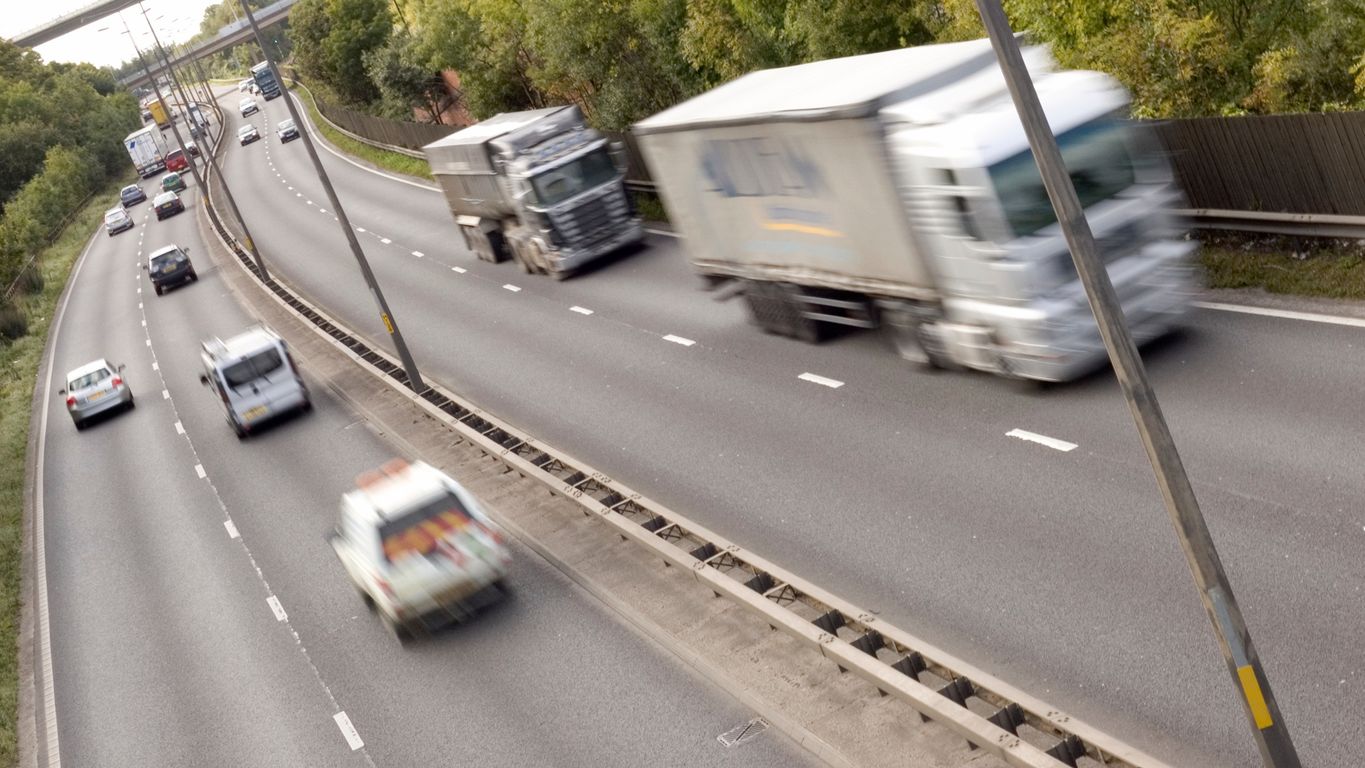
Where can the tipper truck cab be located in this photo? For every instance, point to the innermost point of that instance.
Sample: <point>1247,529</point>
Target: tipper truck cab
<point>897,190</point>
<point>540,187</point>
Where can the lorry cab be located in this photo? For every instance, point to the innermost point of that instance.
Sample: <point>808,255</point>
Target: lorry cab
<point>254,377</point>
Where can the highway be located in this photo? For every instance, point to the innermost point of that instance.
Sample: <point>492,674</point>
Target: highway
<point>169,546</point>
<point>898,488</point>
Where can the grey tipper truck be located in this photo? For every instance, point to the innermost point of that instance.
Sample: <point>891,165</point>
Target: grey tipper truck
<point>897,190</point>
<point>539,187</point>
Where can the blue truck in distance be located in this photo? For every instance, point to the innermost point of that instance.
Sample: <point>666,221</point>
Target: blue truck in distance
<point>265,80</point>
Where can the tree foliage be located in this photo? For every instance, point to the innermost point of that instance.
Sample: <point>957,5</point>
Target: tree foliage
<point>331,38</point>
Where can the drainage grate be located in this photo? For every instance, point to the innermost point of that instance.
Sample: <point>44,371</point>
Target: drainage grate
<point>742,733</point>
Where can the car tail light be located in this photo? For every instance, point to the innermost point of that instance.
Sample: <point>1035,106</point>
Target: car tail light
<point>118,381</point>
<point>70,400</point>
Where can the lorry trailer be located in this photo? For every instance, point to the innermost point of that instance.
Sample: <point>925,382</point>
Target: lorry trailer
<point>896,190</point>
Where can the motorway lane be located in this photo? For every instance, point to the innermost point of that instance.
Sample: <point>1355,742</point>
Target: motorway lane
<point>1075,582</point>
<point>167,653</point>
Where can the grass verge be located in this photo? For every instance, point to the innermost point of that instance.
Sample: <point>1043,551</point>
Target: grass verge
<point>18,371</point>
<point>389,161</point>
<point>1303,267</point>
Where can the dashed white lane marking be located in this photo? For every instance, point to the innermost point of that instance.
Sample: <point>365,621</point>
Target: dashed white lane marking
<point>144,323</point>
<point>418,254</point>
<point>231,529</point>
<point>199,470</point>
<point>385,240</point>
<point>298,194</point>
<point>460,270</point>
<point>149,342</point>
<point>348,730</point>
<point>511,287</point>
<point>1286,314</point>
<point>277,608</point>
<point>581,310</point>
<point>679,340</point>
<point>310,202</point>
<point>322,210</point>
<point>139,289</point>
<point>156,366</point>
<point>291,189</point>
<point>165,394</point>
<point>360,229</point>
<point>821,380</point>
<point>1034,437</point>
<point>139,305</point>
<point>179,428</point>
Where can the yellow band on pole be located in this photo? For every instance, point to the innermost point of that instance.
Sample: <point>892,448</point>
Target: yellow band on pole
<point>389,326</point>
<point>1252,690</point>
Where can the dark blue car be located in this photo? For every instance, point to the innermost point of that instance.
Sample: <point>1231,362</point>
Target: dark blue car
<point>131,195</point>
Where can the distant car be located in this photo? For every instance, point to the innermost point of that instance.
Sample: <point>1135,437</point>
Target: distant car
<point>175,160</point>
<point>247,134</point>
<point>131,195</point>
<point>95,388</point>
<point>167,204</point>
<point>117,220</point>
<point>248,106</point>
<point>170,266</point>
<point>173,182</point>
<point>419,547</point>
<point>193,148</point>
<point>286,130</point>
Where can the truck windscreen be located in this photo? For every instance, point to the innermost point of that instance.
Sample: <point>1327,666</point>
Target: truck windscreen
<point>1096,154</point>
<point>563,182</point>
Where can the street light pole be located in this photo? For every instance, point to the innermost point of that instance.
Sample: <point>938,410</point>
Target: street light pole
<point>390,322</point>
<point>207,153</point>
<point>1263,712</point>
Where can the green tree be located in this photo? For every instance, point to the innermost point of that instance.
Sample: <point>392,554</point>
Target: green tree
<point>486,42</point>
<point>825,29</point>
<point>405,80</point>
<point>331,38</point>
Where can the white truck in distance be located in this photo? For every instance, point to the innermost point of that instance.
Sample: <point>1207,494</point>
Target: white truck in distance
<point>147,148</point>
<point>897,190</point>
<point>540,184</point>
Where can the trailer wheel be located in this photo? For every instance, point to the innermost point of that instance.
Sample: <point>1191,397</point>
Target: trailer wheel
<point>519,256</point>
<point>912,339</point>
<point>804,328</point>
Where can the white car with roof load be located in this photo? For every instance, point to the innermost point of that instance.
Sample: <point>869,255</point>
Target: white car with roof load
<point>255,377</point>
<point>419,547</point>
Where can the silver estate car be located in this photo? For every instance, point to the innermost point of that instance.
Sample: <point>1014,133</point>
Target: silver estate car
<point>95,388</point>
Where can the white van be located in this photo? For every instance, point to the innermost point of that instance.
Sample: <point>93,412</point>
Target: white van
<point>255,377</point>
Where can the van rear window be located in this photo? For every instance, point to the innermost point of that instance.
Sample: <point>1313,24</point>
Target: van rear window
<point>421,530</point>
<point>249,369</point>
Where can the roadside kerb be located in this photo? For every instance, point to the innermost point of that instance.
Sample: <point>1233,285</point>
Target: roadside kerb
<point>982,709</point>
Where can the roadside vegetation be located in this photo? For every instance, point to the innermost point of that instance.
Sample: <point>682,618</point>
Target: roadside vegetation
<point>1299,266</point>
<point>19,359</point>
<point>383,158</point>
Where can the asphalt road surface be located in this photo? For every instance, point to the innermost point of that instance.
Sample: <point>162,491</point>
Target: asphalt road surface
<point>901,489</point>
<point>170,544</point>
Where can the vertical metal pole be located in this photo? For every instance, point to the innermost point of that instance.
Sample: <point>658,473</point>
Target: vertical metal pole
<point>390,322</point>
<point>1268,726</point>
<point>207,153</point>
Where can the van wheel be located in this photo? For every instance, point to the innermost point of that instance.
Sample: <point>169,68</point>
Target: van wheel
<point>158,289</point>
<point>194,276</point>
<point>399,630</point>
<point>80,424</point>
<point>367,600</point>
<point>519,256</point>
<point>239,430</point>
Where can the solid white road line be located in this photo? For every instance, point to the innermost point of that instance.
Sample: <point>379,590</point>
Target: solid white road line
<point>821,380</point>
<point>679,340</point>
<point>511,287</point>
<point>1034,437</point>
<point>44,629</point>
<point>460,270</point>
<point>1286,314</point>
<point>348,730</point>
<point>581,310</point>
<point>199,470</point>
<point>277,608</point>
<point>179,428</point>
<point>231,529</point>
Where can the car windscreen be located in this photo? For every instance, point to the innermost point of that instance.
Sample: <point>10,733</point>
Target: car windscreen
<point>286,125</point>
<point>114,216</point>
<point>244,130</point>
<point>88,380</point>
<point>131,190</point>
<point>175,155</point>
<point>563,182</point>
<point>421,530</point>
<point>253,367</point>
<point>166,198</point>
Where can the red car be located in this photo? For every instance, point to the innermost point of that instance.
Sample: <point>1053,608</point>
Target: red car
<point>175,161</point>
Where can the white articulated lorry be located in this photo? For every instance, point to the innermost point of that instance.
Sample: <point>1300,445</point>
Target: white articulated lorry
<point>540,184</point>
<point>147,148</point>
<point>897,190</point>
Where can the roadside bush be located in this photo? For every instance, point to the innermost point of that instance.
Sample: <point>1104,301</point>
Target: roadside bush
<point>30,280</point>
<point>13,324</point>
